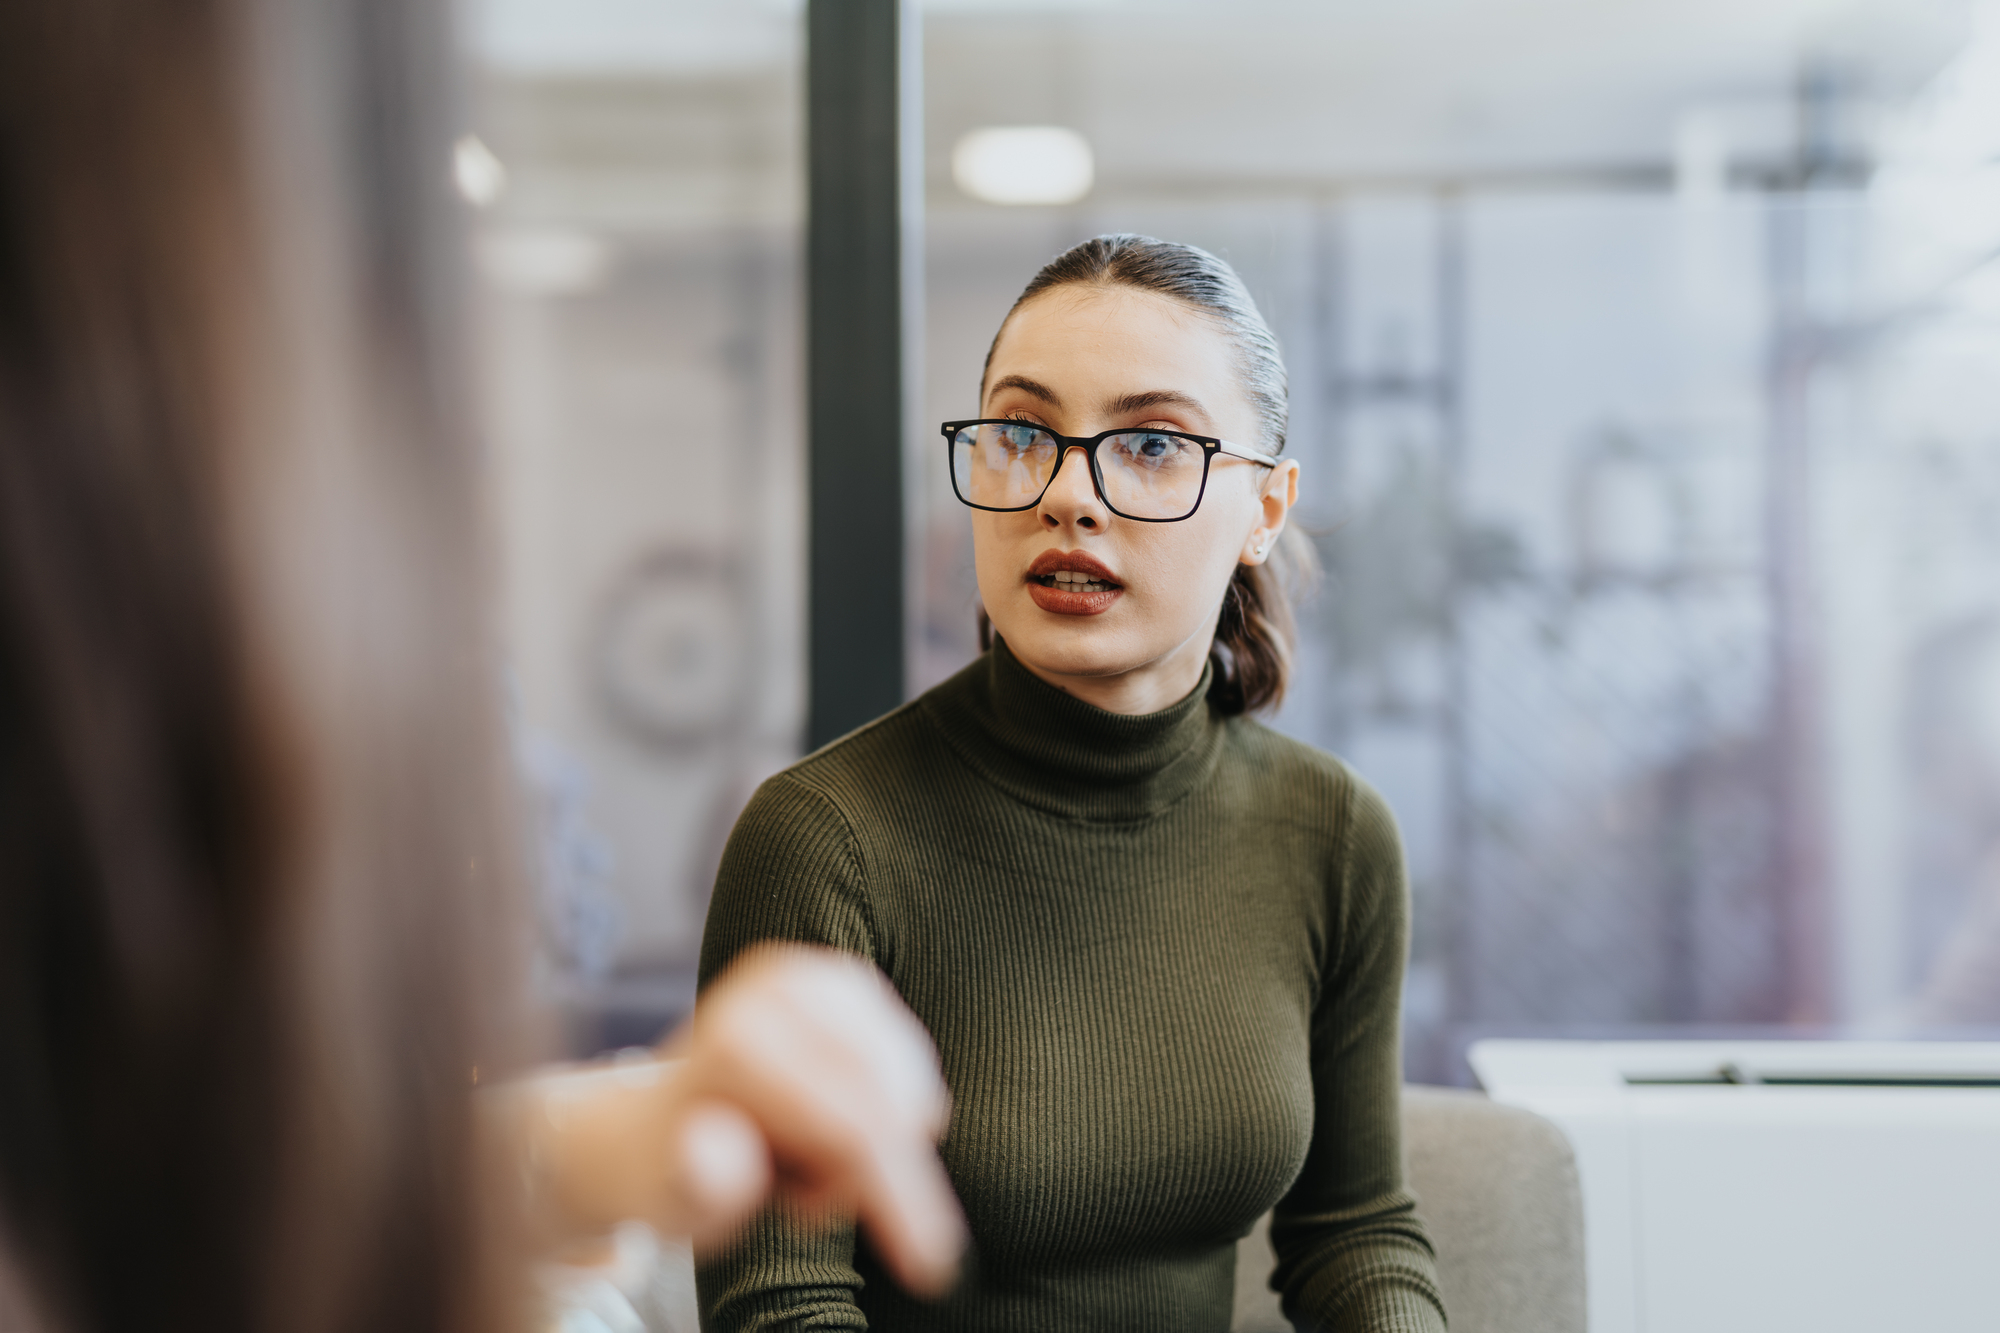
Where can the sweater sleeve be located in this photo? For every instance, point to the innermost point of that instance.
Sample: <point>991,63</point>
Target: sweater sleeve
<point>1352,1254</point>
<point>789,872</point>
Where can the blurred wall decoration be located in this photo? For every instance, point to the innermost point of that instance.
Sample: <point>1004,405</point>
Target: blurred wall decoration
<point>1640,355</point>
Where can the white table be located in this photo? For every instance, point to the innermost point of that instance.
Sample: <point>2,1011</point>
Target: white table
<point>1783,1200</point>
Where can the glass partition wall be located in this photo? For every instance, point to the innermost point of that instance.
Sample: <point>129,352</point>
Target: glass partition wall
<point>1634,353</point>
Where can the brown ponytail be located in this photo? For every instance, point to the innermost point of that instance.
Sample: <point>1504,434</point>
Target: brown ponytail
<point>1254,638</point>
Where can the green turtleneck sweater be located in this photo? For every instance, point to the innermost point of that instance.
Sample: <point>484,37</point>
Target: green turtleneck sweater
<point>1161,957</point>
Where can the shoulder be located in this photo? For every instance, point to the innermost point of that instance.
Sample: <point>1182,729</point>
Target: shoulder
<point>811,809</point>
<point>1353,831</point>
<point>859,776</point>
<point>803,861</point>
<point>1304,783</point>
<point>853,796</point>
<point>796,865</point>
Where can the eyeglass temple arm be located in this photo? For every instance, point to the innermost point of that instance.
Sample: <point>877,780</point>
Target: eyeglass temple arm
<point>1253,455</point>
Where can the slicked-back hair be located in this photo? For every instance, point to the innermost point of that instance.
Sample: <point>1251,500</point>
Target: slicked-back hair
<point>1254,637</point>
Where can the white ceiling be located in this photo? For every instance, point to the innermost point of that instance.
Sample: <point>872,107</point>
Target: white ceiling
<point>1374,88</point>
<point>1172,92</point>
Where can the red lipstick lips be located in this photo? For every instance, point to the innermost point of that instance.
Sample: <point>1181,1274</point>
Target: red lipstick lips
<point>1070,583</point>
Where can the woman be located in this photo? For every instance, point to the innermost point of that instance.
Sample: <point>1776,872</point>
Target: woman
<point>1159,945</point>
<point>257,929</point>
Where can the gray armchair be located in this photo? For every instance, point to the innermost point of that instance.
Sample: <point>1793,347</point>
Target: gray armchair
<point>1497,1187</point>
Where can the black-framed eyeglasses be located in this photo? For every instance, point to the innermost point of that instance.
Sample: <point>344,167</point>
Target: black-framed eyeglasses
<point>1153,476</point>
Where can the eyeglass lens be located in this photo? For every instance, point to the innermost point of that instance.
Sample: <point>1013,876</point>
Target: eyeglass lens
<point>1146,473</point>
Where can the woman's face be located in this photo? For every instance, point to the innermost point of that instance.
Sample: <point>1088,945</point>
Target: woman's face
<point>1133,639</point>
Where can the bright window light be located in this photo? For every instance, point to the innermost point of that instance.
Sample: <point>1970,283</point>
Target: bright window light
<point>479,174</point>
<point>1023,164</point>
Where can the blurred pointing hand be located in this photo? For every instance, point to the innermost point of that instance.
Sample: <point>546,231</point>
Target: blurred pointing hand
<point>802,1074</point>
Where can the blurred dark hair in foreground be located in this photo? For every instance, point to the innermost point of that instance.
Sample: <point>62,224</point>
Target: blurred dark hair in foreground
<point>255,928</point>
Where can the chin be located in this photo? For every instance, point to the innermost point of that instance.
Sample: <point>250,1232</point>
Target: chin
<point>1071,649</point>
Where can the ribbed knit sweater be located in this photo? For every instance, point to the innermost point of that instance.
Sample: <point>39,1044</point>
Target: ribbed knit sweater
<point>1161,957</point>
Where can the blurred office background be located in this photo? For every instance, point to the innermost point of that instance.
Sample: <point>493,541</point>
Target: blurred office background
<point>1643,359</point>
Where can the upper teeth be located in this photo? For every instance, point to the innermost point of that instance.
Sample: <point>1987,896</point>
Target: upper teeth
<point>1072,576</point>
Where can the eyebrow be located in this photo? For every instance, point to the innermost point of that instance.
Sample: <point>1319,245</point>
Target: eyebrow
<point>1124,405</point>
<point>1136,402</point>
<point>1026,385</point>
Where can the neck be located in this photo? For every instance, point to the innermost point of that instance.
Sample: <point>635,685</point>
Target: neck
<point>1152,688</point>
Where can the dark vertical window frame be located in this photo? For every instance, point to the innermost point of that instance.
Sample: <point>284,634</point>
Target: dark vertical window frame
<point>863,270</point>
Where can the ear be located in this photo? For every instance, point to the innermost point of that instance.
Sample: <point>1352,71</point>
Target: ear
<point>1281,492</point>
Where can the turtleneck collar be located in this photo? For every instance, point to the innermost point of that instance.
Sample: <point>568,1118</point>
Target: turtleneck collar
<point>1057,752</point>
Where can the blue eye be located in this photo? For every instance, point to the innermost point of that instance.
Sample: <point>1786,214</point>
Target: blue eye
<point>1154,450</point>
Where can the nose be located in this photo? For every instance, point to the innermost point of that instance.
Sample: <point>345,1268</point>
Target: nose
<point>1071,500</point>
